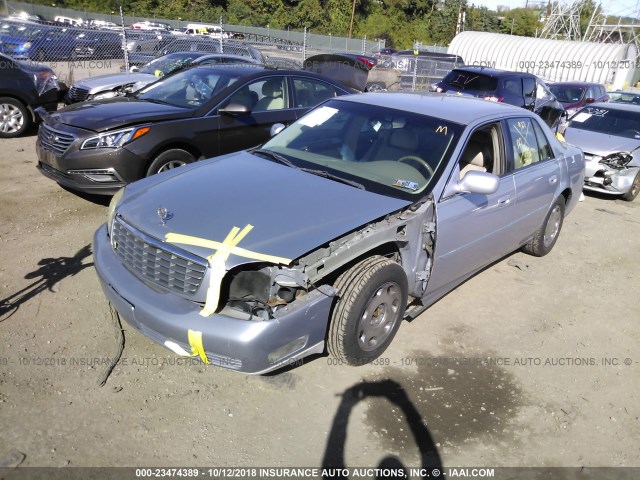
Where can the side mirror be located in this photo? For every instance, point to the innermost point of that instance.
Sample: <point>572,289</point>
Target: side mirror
<point>134,69</point>
<point>276,128</point>
<point>590,100</point>
<point>234,109</point>
<point>478,182</point>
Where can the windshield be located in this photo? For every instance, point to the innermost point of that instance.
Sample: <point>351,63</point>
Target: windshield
<point>462,80</point>
<point>388,151</point>
<point>624,97</point>
<point>167,64</point>
<point>566,94</point>
<point>621,123</point>
<point>190,88</point>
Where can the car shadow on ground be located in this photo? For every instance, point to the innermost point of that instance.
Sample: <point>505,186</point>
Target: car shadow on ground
<point>50,272</point>
<point>89,197</point>
<point>334,456</point>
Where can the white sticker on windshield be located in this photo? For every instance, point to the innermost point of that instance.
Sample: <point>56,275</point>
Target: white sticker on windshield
<point>406,184</point>
<point>581,117</point>
<point>318,116</point>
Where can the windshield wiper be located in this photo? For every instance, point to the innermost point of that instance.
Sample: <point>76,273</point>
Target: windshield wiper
<point>276,156</point>
<point>320,173</point>
<point>331,176</point>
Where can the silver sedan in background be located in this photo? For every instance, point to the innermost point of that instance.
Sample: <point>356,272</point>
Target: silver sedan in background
<point>609,134</point>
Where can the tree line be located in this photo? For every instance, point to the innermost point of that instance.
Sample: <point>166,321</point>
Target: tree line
<point>398,22</point>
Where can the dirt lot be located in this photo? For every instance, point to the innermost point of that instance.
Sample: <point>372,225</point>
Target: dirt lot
<point>533,362</point>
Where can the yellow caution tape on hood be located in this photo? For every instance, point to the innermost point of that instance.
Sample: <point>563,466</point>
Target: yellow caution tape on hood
<point>217,260</point>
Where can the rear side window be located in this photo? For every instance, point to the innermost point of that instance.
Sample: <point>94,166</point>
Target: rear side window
<point>529,87</point>
<point>310,92</point>
<point>470,81</point>
<point>514,85</point>
<point>524,142</point>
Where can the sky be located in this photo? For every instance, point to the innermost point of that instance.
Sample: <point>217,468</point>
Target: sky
<point>611,7</point>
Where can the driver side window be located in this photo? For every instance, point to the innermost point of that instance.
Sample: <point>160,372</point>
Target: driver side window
<point>482,151</point>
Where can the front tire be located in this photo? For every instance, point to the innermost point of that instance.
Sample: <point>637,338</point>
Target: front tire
<point>169,160</point>
<point>372,298</point>
<point>14,118</point>
<point>631,195</point>
<point>545,238</point>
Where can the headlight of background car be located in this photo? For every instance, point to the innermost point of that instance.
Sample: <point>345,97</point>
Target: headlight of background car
<point>113,204</point>
<point>114,139</point>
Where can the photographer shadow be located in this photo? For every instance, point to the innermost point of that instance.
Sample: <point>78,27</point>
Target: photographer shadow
<point>50,272</point>
<point>394,392</point>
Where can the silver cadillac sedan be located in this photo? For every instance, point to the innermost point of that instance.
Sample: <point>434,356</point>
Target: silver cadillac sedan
<point>362,213</point>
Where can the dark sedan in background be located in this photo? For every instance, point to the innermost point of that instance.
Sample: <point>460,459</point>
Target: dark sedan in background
<point>200,112</point>
<point>24,87</point>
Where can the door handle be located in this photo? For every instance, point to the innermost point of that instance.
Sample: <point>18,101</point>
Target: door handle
<point>504,201</point>
<point>553,179</point>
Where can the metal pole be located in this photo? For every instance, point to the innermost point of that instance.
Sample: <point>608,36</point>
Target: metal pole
<point>124,41</point>
<point>353,14</point>
<point>304,45</point>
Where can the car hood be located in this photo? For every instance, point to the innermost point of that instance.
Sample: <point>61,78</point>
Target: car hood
<point>292,212</point>
<point>599,144</point>
<point>108,82</point>
<point>105,115</point>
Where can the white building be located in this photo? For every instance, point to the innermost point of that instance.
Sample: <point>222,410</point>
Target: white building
<point>612,64</point>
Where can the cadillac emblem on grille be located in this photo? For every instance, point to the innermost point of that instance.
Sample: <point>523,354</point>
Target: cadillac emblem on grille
<point>164,215</point>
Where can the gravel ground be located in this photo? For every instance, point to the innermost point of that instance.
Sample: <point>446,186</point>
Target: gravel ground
<point>533,362</point>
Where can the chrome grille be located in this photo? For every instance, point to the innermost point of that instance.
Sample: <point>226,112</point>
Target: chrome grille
<point>78,94</point>
<point>156,262</point>
<point>54,140</point>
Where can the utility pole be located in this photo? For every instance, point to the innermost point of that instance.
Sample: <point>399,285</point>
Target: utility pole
<point>353,14</point>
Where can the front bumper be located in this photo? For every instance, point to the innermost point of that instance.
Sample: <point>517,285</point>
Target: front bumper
<point>604,179</point>
<point>99,171</point>
<point>253,347</point>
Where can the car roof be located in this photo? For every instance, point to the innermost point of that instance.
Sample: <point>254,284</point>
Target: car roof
<point>628,107</point>
<point>453,108</point>
<point>494,72</point>
<point>257,70</point>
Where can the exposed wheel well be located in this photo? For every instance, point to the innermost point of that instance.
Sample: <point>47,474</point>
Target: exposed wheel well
<point>567,195</point>
<point>389,250</point>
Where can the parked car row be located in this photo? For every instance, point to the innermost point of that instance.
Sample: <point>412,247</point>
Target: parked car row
<point>39,42</point>
<point>120,84</point>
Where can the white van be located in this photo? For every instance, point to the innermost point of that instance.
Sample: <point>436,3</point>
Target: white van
<point>214,31</point>
<point>75,22</point>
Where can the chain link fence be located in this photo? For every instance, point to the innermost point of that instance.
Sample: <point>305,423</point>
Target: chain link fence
<point>79,45</point>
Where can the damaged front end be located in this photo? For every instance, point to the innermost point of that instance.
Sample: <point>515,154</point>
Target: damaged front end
<point>616,173</point>
<point>258,292</point>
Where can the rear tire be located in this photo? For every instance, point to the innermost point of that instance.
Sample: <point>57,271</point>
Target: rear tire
<point>372,298</point>
<point>169,160</point>
<point>631,195</point>
<point>15,118</point>
<point>545,238</point>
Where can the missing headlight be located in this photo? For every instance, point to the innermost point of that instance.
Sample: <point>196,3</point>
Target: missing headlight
<point>259,293</point>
